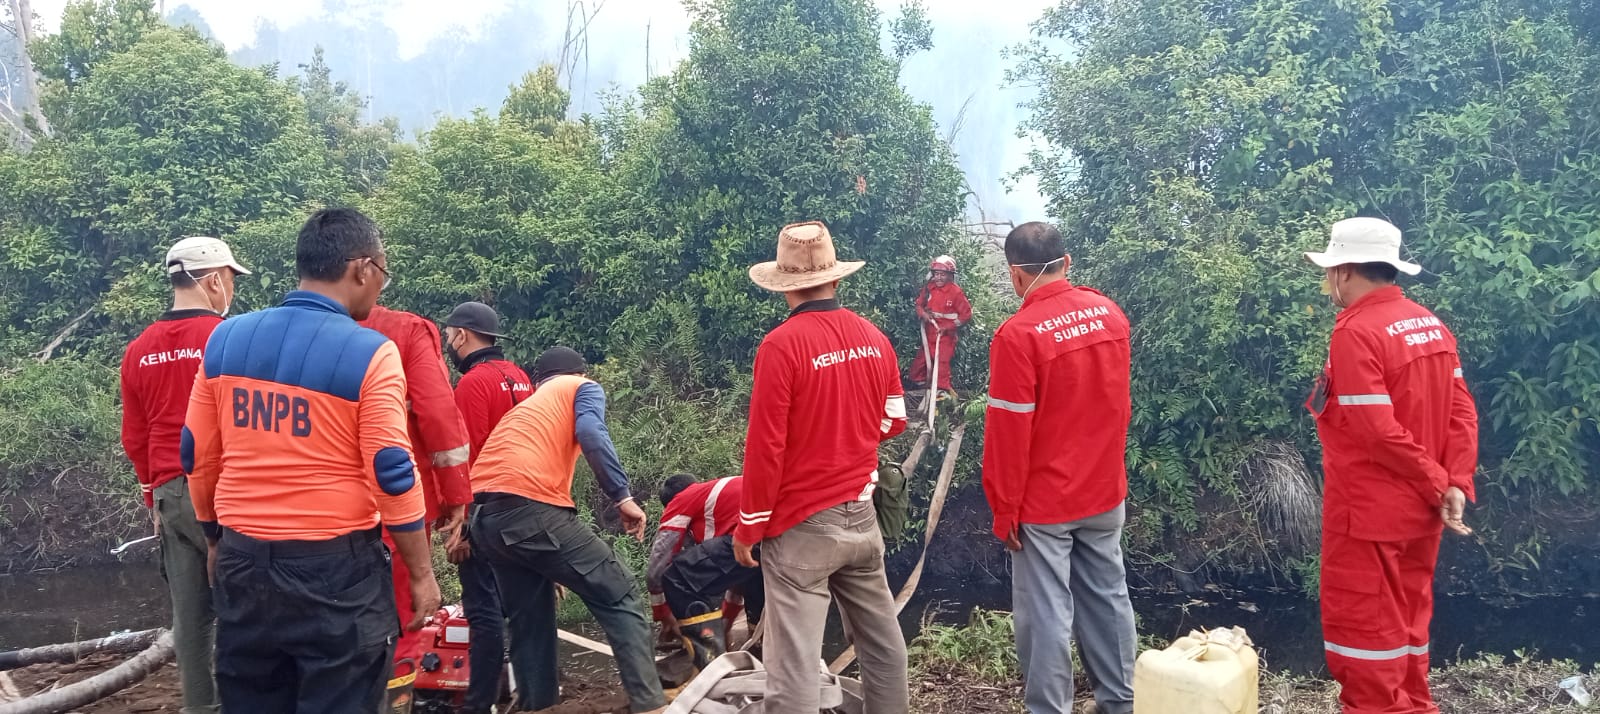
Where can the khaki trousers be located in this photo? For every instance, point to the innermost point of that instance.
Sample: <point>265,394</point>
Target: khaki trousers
<point>836,554</point>
<point>184,552</point>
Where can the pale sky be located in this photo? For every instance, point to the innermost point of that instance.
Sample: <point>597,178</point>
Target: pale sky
<point>969,36</point>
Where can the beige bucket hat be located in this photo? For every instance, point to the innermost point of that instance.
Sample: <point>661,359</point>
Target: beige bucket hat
<point>1363,240</point>
<point>806,259</point>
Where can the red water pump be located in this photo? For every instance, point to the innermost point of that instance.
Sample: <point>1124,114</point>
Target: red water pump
<point>443,672</point>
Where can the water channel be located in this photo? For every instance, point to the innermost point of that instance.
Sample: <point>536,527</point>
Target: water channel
<point>45,608</point>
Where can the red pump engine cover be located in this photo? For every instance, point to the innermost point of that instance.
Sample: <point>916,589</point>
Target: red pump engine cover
<point>444,665</point>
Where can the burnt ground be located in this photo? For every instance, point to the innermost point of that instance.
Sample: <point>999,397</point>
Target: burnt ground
<point>586,692</point>
<point>1485,686</point>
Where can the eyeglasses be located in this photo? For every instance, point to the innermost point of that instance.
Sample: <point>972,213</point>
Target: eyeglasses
<point>388,279</point>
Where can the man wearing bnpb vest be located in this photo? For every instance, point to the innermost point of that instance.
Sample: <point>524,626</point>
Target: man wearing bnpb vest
<point>1399,438</point>
<point>158,372</point>
<point>1054,436</point>
<point>490,386</point>
<point>827,393</point>
<point>297,454</point>
<point>527,528</point>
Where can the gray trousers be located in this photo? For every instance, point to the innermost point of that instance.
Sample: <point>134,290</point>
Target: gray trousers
<point>1068,581</point>
<point>194,622</point>
<point>836,554</point>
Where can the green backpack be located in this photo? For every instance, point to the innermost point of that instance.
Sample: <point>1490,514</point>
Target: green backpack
<point>892,499</point>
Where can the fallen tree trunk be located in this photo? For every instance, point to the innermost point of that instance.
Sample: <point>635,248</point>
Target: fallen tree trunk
<point>99,686</point>
<point>71,651</point>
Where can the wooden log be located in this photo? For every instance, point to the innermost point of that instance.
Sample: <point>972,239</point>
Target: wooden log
<point>98,687</point>
<point>72,651</point>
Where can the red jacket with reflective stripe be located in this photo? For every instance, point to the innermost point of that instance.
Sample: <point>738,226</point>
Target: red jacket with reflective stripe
<point>438,435</point>
<point>827,392</point>
<point>1056,430</point>
<point>947,306</point>
<point>158,371</point>
<point>1396,421</point>
<point>697,514</point>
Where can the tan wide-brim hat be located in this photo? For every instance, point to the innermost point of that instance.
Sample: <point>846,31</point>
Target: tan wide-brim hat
<point>1363,240</point>
<point>806,259</point>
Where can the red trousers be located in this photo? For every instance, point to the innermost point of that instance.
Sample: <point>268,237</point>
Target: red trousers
<point>409,645</point>
<point>1377,603</point>
<point>946,351</point>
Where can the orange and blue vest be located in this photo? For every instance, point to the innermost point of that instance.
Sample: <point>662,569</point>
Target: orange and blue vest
<point>532,451</point>
<point>296,429</point>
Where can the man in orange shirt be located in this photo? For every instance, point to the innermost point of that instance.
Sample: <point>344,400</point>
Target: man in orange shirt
<point>296,449</point>
<point>528,530</point>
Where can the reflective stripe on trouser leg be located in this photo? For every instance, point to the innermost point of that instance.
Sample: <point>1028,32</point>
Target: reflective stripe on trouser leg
<point>1376,605</point>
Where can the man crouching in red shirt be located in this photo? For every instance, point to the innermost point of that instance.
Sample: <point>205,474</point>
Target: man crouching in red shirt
<point>827,391</point>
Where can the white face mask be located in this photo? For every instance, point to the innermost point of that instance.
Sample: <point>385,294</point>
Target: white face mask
<point>227,300</point>
<point>1043,268</point>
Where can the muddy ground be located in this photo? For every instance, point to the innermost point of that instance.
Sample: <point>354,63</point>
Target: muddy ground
<point>1485,686</point>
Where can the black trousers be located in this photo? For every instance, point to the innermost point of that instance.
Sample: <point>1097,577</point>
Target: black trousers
<point>532,546</point>
<point>699,576</point>
<point>304,627</point>
<point>486,620</point>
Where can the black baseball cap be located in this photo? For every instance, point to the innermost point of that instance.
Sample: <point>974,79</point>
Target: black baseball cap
<point>557,361</point>
<point>475,316</point>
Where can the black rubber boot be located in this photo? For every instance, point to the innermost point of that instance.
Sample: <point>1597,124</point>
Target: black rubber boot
<point>703,636</point>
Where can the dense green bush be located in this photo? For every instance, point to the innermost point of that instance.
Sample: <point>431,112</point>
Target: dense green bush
<point>1197,149</point>
<point>60,420</point>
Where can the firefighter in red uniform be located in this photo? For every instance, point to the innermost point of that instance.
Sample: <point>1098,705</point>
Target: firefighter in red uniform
<point>1054,440</point>
<point>438,438</point>
<point>158,372</point>
<point>942,308</point>
<point>697,586</point>
<point>1399,447</point>
<point>490,386</point>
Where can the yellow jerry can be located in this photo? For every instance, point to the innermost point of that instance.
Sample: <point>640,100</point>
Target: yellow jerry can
<point>1212,672</point>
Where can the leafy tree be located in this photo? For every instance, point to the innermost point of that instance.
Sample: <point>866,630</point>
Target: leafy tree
<point>163,140</point>
<point>91,31</point>
<point>783,112</point>
<point>360,151</point>
<point>1197,149</point>
<point>186,16</point>
<point>911,30</point>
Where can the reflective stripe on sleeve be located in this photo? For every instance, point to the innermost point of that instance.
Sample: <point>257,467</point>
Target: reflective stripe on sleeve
<point>946,315</point>
<point>895,407</point>
<point>1458,373</point>
<point>1375,655</point>
<point>711,509</point>
<point>452,457</point>
<point>1011,406</point>
<point>752,519</point>
<point>1364,400</point>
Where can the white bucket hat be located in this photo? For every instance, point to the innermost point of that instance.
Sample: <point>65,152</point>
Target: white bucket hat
<point>1363,240</point>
